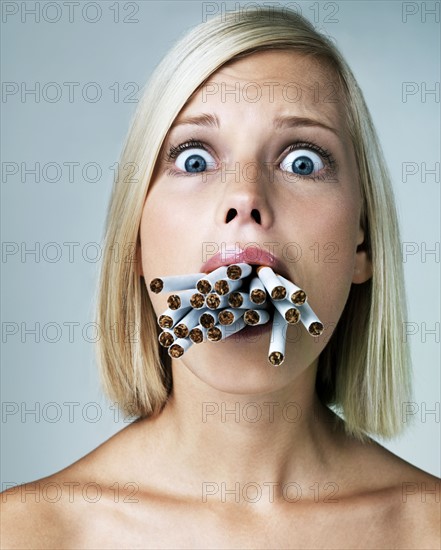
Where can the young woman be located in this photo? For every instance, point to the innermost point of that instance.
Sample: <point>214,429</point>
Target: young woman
<point>252,141</point>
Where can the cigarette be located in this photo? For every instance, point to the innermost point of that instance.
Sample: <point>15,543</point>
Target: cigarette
<point>179,347</point>
<point>174,282</point>
<point>257,291</point>
<point>170,317</point>
<point>276,353</point>
<point>228,316</point>
<point>205,283</point>
<point>256,317</point>
<point>166,338</point>
<point>223,286</point>
<point>241,300</point>
<point>220,332</point>
<point>295,294</point>
<point>198,334</point>
<point>238,271</point>
<point>271,282</point>
<point>290,313</point>
<point>310,320</point>
<point>186,298</point>
<point>188,322</point>
<point>214,301</point>
<point>208,319</point>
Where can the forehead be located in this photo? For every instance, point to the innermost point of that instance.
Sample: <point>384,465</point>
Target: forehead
<point>275,82</point>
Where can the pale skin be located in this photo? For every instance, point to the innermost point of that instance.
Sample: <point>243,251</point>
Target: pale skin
<point>316,487</point>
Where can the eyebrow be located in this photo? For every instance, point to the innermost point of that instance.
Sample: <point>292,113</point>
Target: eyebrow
<point>279,123</point>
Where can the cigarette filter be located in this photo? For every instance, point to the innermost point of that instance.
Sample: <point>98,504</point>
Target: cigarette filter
<point>276,353</point>
<point>179,347</point>
<point>295,294</point>
<point>220,332</point>
<point>256,317</point>
<point>174,282</point>
<point>310,320</point>
<point>257,291</point>
<point>272,283</point>
<point>228,316</point>
<point>170,317</point>
<point>290,313</point>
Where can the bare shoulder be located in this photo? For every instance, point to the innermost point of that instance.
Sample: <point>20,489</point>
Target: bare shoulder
<point>405,498</point>
<point>27,519</point>
<point>52,512</point>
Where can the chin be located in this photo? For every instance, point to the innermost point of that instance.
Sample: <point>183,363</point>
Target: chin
<point>242,370</point>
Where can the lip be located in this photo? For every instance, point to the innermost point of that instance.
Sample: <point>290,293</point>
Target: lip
<point>251,255</point>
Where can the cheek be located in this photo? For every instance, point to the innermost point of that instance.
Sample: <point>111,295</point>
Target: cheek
<point>325,235</point>
<point>169,239</point>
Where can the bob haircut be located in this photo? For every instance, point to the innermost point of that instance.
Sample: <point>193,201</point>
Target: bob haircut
<point>364,370</point>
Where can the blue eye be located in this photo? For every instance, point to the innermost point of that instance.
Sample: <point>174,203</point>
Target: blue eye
<point>191,160</point>
<point>302,162</point>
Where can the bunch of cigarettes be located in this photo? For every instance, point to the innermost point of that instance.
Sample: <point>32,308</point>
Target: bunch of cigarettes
<point>213,306</point>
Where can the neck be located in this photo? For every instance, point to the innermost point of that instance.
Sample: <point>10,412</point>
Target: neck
<point>272,437</point>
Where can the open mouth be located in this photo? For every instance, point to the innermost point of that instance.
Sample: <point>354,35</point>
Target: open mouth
<point>245,298</point>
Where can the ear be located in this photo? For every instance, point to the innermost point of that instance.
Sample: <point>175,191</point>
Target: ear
<point>363,264</point>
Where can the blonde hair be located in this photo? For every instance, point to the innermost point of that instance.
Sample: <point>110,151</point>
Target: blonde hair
<point>364,370</point>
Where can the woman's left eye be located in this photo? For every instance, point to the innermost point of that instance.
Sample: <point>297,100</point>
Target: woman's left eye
<point>302,162</point>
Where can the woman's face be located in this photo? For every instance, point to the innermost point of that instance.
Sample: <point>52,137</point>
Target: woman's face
<point>268,164</point>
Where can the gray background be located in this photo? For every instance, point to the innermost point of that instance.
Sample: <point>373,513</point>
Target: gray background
<point>384,46</point>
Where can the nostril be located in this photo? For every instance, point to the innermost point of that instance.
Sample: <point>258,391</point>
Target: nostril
<point>231,214</point>
<point>255,214</point>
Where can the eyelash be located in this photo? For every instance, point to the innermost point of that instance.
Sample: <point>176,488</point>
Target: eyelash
<point>327,156</point>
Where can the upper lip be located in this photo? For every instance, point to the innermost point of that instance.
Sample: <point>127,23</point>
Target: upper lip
<point>251,255</point>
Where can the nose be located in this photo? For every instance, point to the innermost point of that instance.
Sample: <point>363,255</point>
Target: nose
<point>245,201</point>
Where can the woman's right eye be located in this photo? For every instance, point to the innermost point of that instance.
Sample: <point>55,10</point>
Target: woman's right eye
<point>194,160</point>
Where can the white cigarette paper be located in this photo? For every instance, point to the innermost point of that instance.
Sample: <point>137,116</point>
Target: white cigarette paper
<point>255,317</point>
<point>296,295</point>
<point>170,317</point>
<point>206,282</point>
<point>310,320</point>
<point>276,353</point>
<point>166,337</point>
<point>221,332</point>
<point>225,286</point>
<point>186,298</point>
<point>208,318</point>
<point>290,313</point>
<point>228,316</point>
<point>257,291</point>
<point>214,301</point>
<point>241,300</point>
<point>179,347</point>
<point>188,322</point>
<point>238,271</point>
<point>276,289</point>
<point>174,282</point>
<point>198,334</point>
